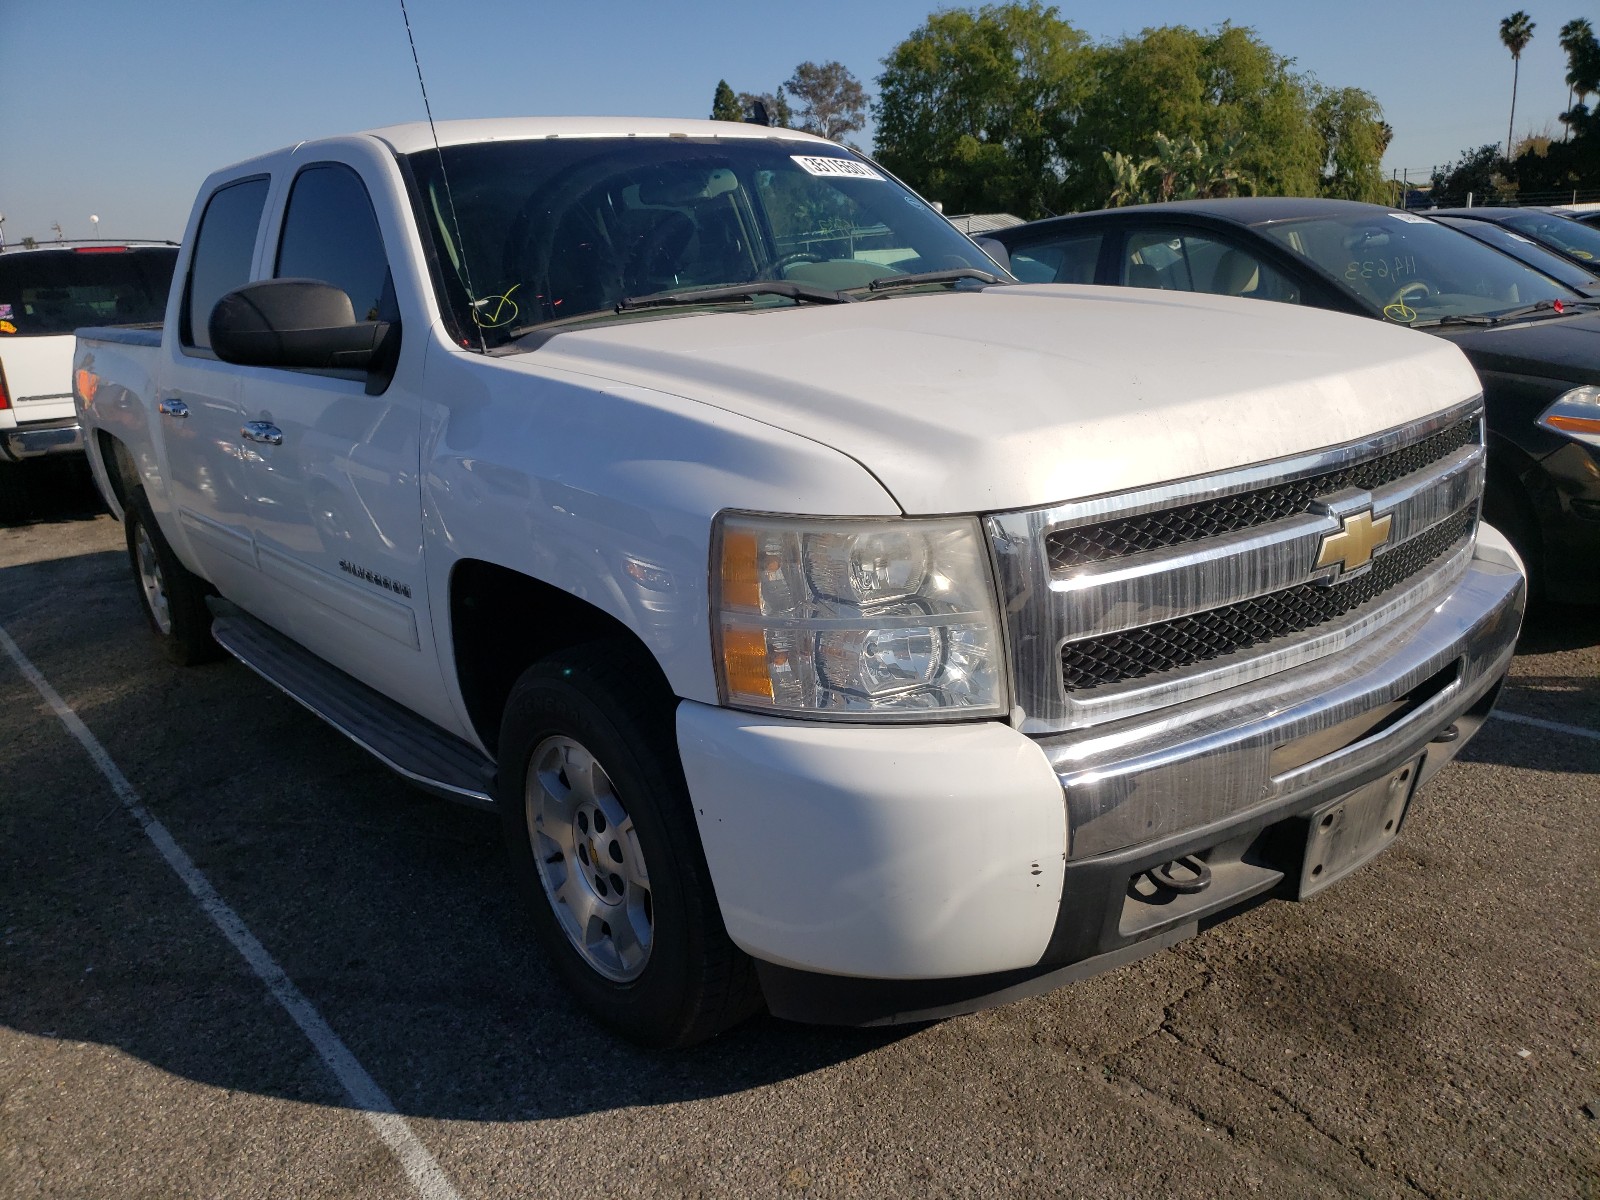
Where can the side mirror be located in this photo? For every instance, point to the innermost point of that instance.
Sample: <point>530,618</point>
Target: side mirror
<point>996,251</point>
<point>295,323</point>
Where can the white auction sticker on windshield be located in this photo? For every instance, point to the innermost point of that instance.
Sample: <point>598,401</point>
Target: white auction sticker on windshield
<point>1408,217</point>
<point>839,168</point>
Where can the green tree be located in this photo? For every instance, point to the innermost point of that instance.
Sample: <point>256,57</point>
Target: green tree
<point>1516,31</point>
<point>1477,173</point>
<point>725,105</point>
<point>1222,88</point>
<point>979,108</point>
<point>1583,68</point>
<point>1354,137</point>
<point>775,104</point>
<point>832,101</point>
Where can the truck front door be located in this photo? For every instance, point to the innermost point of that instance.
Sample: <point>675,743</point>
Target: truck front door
<point>338,532</point>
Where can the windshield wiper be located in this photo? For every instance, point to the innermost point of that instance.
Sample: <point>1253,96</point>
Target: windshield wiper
<point>735,291</point>
<point>1456,319</point>
<point>950,276</point>
<point>1512,314</point>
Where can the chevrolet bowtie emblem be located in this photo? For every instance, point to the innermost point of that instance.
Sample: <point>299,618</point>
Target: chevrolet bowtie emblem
<point>1352,546</point>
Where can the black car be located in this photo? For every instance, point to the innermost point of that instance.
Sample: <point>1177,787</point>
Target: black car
<point>1534,341</point>
<point>1525,249</point>
<point>1573,240</point>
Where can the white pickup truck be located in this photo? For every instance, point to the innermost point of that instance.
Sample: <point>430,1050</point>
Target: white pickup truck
<point>835,622</point>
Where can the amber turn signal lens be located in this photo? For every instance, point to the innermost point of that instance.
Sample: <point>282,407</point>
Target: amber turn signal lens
<point>744,663</point>
<point>741,584</point>
<point>1573,424</point>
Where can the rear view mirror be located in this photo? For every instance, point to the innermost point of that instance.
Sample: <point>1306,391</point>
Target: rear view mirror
<point>294,323</point>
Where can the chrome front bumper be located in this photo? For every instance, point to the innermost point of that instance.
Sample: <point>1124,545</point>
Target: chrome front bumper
<point>43,437</point>
<point>1302,735</point>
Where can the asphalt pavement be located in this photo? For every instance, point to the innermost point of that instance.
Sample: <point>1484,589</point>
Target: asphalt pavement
<point>1427,1027</point>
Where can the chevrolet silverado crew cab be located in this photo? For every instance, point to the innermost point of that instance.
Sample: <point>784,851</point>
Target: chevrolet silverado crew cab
<point>835,622</point>
<point>46,292</point>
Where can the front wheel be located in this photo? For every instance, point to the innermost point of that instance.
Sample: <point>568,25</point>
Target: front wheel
<point>602,839</point>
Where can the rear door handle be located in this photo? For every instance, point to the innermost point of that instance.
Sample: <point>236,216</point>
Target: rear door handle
<point>262,431</point>
<point>173,407</point>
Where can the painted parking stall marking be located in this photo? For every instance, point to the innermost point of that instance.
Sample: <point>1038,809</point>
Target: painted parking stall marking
<point>420,1167</point>
<point>1553,726</point>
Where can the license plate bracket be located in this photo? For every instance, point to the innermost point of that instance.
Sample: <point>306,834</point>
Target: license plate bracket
<point>1346,832</point>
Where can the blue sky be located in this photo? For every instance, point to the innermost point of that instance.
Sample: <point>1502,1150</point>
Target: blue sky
<point>121,109</point>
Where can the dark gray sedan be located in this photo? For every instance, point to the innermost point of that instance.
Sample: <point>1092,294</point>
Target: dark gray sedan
<point>1534,341</point>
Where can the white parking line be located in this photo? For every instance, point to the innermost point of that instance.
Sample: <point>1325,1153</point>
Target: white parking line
<point>1554,726</point>
<point>420,1167</point>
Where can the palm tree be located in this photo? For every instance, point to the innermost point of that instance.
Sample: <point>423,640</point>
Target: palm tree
<point>1577,39</point>
<point>1516,31</point>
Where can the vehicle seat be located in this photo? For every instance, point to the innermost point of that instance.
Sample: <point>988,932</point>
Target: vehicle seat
<point>1236,274</point>
<point>657,252</point>
<point>1143,275</point>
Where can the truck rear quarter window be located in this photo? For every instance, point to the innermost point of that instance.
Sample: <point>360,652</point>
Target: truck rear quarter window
<point>223,249</point>
<point>45,292</point>
<point>331,233</point>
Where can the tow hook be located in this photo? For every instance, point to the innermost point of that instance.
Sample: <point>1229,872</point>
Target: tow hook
<point>1447,735</point>
<point>1196,879</point>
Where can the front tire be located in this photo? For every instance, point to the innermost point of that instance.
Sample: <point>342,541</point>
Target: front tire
<point>603,842</point>
<point>172,596</point>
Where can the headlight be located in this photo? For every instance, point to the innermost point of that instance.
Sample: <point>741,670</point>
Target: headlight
<point>895,620</point>
<point>1575,415</point>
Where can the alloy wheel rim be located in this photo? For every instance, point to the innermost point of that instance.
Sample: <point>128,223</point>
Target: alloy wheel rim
<point>589,861</point>
<point>150,579</point>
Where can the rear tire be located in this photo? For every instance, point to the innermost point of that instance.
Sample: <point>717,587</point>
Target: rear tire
<point>172,596</point>
<point>603,842</point>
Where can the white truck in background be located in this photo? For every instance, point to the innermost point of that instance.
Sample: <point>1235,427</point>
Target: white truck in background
<point>47,291</point>
<point>834,621</point>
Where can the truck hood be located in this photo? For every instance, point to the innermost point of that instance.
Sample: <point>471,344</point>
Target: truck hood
<point>1022,396</point>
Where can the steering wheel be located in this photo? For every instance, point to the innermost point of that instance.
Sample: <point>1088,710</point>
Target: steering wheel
<point>777,269</point>
<point>1421,287</point>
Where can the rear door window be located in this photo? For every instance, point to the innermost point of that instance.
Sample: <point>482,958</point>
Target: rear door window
<point>52,292</point>
<point>223,250</point>
<point>1184,261</point>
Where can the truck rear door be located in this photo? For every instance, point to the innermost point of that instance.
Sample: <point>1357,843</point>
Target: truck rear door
<point>198,400</point>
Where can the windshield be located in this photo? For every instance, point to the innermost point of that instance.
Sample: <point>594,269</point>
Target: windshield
<point>1415,271</point>
<point>559,228</point>
<point>1568,236</point>
<point>46,292</point>
<point>1518,246</point>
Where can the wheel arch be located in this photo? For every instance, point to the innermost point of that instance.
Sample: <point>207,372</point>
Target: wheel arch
<point>121,473</point>
<point>503,621</point>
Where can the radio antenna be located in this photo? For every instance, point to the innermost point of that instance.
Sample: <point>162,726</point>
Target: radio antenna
<point>466,272</point>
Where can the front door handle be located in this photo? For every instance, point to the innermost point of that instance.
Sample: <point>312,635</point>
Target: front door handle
<point>262,431</point>
<point>173,407</point>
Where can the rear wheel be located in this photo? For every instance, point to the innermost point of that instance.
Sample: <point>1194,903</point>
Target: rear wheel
<point>603,841</point>
<point>173,597</point>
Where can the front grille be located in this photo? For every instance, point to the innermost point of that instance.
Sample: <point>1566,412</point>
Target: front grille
<point>1069,548</point>
<point>1186,641</point>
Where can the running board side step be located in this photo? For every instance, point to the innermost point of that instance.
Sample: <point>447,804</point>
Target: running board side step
<point>409,746</point>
